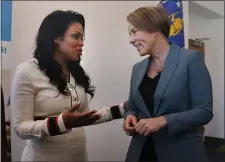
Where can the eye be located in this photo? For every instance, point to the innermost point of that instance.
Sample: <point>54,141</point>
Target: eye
<point>78,36</point>
<point>135,31</point>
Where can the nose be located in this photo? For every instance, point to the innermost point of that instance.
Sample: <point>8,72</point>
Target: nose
<point>131,40</point>
<point>81,43</point>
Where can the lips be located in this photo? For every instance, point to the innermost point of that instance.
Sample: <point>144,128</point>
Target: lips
<point>79,51</point>
<point>138,47</point>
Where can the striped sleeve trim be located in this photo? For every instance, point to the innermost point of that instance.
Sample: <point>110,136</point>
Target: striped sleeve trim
<point>53,127</point>
<point>122,111</point>
<point>118,111</point>
<point>115,111</point>
<point>61,124</point>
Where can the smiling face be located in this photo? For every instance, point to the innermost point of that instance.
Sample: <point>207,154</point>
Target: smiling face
<point>142,40</point>
<point>147,25</point>
<point>70,46</point>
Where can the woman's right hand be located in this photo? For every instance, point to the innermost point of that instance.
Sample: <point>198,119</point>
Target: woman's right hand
<point>74,119</point>
<point>129,124</point>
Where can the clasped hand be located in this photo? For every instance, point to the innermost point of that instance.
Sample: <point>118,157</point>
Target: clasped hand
<point>143,126</point>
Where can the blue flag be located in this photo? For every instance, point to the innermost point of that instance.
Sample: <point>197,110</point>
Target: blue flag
<point>175,10</point>
<point>6,20</point>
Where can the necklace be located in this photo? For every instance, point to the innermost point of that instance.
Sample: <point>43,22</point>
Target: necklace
<point>157,68</point>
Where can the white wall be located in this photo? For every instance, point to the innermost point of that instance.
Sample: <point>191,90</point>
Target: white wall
<point>215,6</point>
<point>107,57</point>
<point>214,56</point>
<point>215,60</point>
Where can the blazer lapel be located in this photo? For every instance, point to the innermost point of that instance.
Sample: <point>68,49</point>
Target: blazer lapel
<point>168,70</point>
<point>137,95</point>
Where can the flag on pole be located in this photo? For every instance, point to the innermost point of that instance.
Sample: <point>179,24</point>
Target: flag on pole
<point>175,11</point>
<point>6,7</point>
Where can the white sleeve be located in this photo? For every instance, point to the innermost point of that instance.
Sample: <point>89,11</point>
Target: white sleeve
<point>105,115</point>
<point>23,107</point>
<point>111,113</point>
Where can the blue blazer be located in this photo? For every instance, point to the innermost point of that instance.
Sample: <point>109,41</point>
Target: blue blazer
<point>184,97</point>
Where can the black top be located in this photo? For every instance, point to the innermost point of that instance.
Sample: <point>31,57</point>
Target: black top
<point>147,90</point>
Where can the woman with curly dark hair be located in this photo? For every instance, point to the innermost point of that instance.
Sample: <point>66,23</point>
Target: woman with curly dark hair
<point>49,93</point>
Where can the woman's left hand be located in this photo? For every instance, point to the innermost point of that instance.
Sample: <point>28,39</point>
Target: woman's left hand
<point>147,126</point>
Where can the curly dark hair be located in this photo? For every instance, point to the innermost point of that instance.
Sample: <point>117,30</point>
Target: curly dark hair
<point>53,26</point>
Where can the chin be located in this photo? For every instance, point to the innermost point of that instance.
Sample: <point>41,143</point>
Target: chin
<point>76,58</point>
<point>142,54</point>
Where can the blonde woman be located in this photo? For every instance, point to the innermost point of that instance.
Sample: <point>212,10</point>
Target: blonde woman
<point>170,95</point>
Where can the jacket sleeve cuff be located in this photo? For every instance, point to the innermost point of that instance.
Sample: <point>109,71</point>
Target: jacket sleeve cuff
<point>61,124</point>
<point>172,129</point>
<point>130,113</point>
